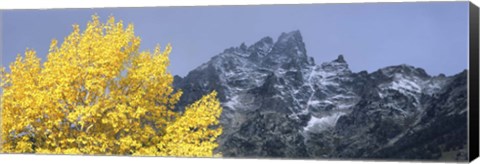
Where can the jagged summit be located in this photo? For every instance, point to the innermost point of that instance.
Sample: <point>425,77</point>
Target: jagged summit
<point>289,51</point>
<point>243,47</point>
<point>338,65</point>
<point>261,48</point>
<point>293,38</point>
<point>264,42</point>
<point>293,35</point>
<point>340,59</point>
<point>287,45</point>
<point>405,69</point>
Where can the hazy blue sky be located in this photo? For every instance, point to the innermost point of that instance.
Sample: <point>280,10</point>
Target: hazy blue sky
<point>431,35</point>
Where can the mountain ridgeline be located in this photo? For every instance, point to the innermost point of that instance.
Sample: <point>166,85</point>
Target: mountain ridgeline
<point>278,103</point>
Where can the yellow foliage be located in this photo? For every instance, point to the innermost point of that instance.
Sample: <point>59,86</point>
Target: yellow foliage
<point>192,134</point>
<point>97,94</point>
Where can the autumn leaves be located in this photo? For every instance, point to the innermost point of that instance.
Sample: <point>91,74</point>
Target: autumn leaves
<point>97,93</point>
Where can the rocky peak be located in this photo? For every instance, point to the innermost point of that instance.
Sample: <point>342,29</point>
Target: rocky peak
<point>289,51</point>
<point>290,41</point>
<point>338,65</point>
<point>243,47</point>
<point>263,44</point>
<point>261,48</point>
<point>406,70</point>
<point>293,35</point>
<point>340,59</point>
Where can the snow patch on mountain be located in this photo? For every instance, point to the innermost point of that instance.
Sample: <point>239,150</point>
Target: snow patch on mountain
<point>317,125</point>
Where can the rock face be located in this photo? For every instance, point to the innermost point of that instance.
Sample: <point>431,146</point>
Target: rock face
<point>278,103</point>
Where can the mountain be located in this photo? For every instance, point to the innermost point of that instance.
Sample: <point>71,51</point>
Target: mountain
<point>278,103</point>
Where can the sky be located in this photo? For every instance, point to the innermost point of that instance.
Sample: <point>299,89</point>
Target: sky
<point>430,35</point>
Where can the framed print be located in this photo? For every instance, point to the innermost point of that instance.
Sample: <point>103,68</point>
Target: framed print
<point>354,81</point>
